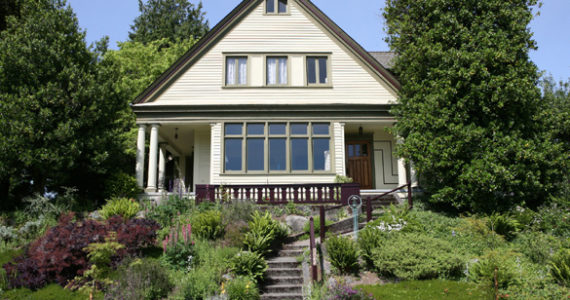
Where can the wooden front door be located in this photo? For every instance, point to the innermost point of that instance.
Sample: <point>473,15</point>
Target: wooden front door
<point>358,165</point>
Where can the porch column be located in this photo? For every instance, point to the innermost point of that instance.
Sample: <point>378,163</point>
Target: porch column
<point>161,167</point>
<point>140,156</point>
<point>152,158</point>
<point>343,146</point>
<point>402,178</point>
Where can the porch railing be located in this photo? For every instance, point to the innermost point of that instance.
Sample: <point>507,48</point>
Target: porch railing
<point>319,193</point>
<point>398,189</point>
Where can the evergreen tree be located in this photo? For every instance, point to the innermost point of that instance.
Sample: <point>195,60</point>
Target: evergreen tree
<point>470,102</point>
<point>7,8</point>
<point>171,19</point>
<point>58,125</point>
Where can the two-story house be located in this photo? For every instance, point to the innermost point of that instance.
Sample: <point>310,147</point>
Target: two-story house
<point>275,93</point>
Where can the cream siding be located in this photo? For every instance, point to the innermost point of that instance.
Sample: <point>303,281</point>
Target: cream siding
<point>202,156</point>
<point>296,35</point>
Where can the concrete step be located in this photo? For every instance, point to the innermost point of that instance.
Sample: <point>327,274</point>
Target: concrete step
<point>283,272</point>
<point>291,252</point>
<point>280,289</point>
<point>294,246</point>
<point>284,280</point>
<point>282,296</point>
<point>283,262</point>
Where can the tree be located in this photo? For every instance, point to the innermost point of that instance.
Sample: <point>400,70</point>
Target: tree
<point>469,102</point>
<point>170,19</point>
<point>59,112</point>
<point>7,8</point>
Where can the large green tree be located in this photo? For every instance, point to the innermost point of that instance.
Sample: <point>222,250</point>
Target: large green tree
<point>469,102</point>
<point>170,19</point>
<point>59,122</point>
<point>7,8</point>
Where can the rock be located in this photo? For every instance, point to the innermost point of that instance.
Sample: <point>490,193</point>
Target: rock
<point>141,214</point>
<point>296,223</point>
<point>96,215</point>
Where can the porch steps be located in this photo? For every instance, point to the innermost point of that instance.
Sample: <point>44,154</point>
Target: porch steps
<point>379,203</point>
<point>284,276</point>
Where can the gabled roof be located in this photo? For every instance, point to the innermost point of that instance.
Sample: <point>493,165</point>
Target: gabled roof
<point>386,58</point>
<point>233,18</point>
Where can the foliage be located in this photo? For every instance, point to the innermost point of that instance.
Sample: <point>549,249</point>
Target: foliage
<point>170,19</point>
<point>7,234</point>
<point>209,225</point>
<point>470,104</point>
<point>537,246</point>
<point>59,110</point>
<point>264,233</point>
<point>317,224</point>
<point>140,279</point>
<point>504,225</point>
<point>341,291</point>
<point>121,185</point>
<point>59,255</point>
<point>343,254</point>
<point>474,236</point>
<point>201,283</point>
<point>434,289</point>
<point>554,219</point>
<point>126,208</point>
<point>398,218</point>
<point>235,234</point>
<point>167,211</point>
<point>38,206</point>
<point>410,256</point>
<point>505,262</point>
<point>242,288</point>
<point>342,179</point>
<point>179,252</point>
<point>560,267</point>
<point>49,292</point>
<point>369,239</point>
<point>238,211</point>
<point>249,264</point>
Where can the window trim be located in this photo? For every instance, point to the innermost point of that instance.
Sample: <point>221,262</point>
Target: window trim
<point>288,136</point>
<point>236,56</point>
<point>329,70</point>
<point>276,55</point>
<point>276,13</point>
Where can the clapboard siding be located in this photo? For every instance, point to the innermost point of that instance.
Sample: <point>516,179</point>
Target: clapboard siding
<point>202,156</point>
<point>202,83</point>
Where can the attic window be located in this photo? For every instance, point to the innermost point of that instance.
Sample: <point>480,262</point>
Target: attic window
<point>276,6</point>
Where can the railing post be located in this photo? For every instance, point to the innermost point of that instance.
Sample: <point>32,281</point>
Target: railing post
<point>368,209</point>
<point>410,202</point>
<point>211,192</point>
<point>322,221</point>
<point>313,250</point>
<point>347,190</point>
<point>200,193</point>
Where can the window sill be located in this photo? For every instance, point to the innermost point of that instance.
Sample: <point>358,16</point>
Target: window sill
<point>279,87</point>
<point>316,173</point>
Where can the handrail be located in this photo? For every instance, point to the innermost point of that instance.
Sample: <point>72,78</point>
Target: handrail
<point>370,199</point>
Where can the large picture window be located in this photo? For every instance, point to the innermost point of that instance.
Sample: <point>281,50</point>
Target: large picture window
<point>277,147</point>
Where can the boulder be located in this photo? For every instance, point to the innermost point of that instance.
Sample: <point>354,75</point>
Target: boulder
<point>296,223</point>
<point>96,215</point>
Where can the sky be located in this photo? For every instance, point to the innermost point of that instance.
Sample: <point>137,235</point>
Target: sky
<point>362,20</point>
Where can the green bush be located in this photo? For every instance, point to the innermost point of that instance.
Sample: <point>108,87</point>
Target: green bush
<point>242,288</point>
<point>560,267</point>
<point>168,210</point>
<point>179,255</point>
<point>201,283</point>
<point>235,234</point>
<point>343,254</point>
<point>126,208</point>
<point>415,256</point>
<point>50,292</point>
<point>369,239</point>
<point>504,225</point>
<point>317,223</point>
<point>434,289</point>
<point>503,261</point>
<point>554,219</point>
<point>249,264</point>
<point>121,185</point>
<point>264,233</point>
<point>537,246</point>
<point>140,279</point>
<point>208,225</point>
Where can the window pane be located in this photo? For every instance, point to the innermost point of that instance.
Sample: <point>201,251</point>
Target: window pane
<point>256,129</point>
<point>271,70</point>
<point>311,70</point>
<point>242,70</point>
<point>323,70</point>
<point>299,154</point>
<point>277,128</point>
<point>350,150</point>
<point>255,154</point>
<point>322,128</point>
<point>321,154</point>
<point>230,70</point>
<point>299,128</point>
<point>282,6</point>
<point>277,154</point>
<point>233,154</point>
<point>270,5</point>
<point>282,71</point>
<point>234,129</point>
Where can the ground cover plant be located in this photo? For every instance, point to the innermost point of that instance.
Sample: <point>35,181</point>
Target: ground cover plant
<point>434,289</point>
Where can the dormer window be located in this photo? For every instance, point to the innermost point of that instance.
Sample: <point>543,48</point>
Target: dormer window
<point>276,6</point>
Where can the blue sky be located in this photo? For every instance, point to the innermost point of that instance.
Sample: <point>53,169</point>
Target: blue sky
<point>361,19</point>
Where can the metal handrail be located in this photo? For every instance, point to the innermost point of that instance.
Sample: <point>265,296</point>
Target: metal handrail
<point>370,199</point>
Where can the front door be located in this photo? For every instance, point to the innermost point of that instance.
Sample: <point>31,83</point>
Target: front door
<point>358,165</point>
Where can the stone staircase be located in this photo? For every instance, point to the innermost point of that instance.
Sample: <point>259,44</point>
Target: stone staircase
<point>284,276</point>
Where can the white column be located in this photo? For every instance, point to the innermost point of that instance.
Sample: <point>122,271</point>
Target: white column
<point>402,178</point>
<point>413,175</point>
<point>152,158</point>
<point>161,167</point>
<point>140,156</point>
<point>343,146</point>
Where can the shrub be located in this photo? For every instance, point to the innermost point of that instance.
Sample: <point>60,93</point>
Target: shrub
<point>238,211</point>
<point>504,225</point>
<point>126,208</point>
<point>483,271</point>
<point>209,225</point>
<point>343,254</point>
<point>140,279</point>
<point>242,288</point>
<point>235,234</point>
<point>264,233</point>
<point>135,234</point>
<point>537,246</point>
<point>248,264</point>
<point>121,185</point>
<point>7,234</point>
<point>317,223</point>
<point>434,289</point>
<point>167,211</point>
<point>554,219</point>
<point>201,283</point>
<point>415,256</point>
<point>369,239</point>
<point>560,267</point>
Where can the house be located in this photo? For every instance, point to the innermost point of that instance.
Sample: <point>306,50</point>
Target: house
<point>276,93</point>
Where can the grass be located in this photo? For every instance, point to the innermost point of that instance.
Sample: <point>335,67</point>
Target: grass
<point>426,290</point>
<point>8,255</point>
<point>49,292</point>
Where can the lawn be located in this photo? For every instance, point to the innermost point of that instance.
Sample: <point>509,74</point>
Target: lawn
<point>426,290</point>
